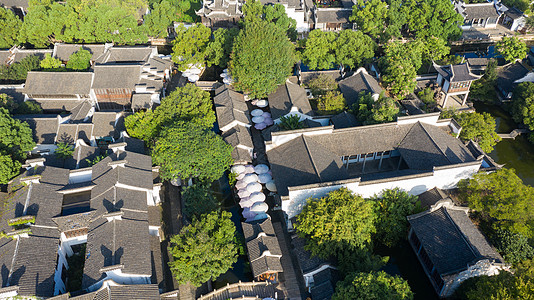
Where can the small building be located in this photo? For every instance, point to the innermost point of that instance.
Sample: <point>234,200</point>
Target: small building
<point>478,15</point>
<point>320,276</point>
<point>344,120</point>
<point>514,19</point>
<point>16,54</point>
<point>454,81</point>
<point>59,91</point>
<point>19,7</point>
<point>450,247</point>
<point>359,82</point>
<point>240,139</point>
<point>509,76</point>
<point>289,99</point>
<point>231,108</point>
<point>478,65</point>
<point>332,19</point>
<point>63,51</point>
<point>263,250</point>
<point>220,14</point>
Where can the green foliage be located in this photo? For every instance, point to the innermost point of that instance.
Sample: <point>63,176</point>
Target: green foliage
<point>522,5</point>
<point>28,108</point>
<point>523,104</point>
<point>484,88</point>
<point>392,207</point>
<point>187,150</point>
<point>162,15</point>
<point>189,46</point>
<point>331,103</point>
<point>321,84</point>
<point>434,48</point>
<point>513,246</point>
<point>428,97</point>
<point>400,64</point>
<point>374,285</point>
<point>504,286</point>
<point>324,49</point>
<point>232,179</point>
<point>16,137</point>
<point>511,48</point>
<point>357,260</point>
<point>319,50</point>
<point>50,62</point>
<point>448,113</point>
<point>199,200</point>
<point>37,26</point>
<point>330,224</point>
<point>262,58</point>
<point>369,111</point>
<point>9,28</point>
<point>254,12</point>
<point>370,17</point>
<point>94,161</point>
<point>291,122</point>
<point>80,60</point>
<point>204,250</point>
<point>9,168</point>
<point>64,150</point>
<point>501,196</point>
<point>188,103</point>
<point>22,220</point>
<point>220,47</point>
<point>7,102</point>
<point>479,127</point>
<point>19,70</point>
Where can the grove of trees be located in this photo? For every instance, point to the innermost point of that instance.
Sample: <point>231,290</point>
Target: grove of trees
<point>511,48</point>
<point>373,285</point>
<point>479,127</point>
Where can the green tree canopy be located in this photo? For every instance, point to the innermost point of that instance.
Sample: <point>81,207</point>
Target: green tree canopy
<point>19,70</point>
<point>370,16</point>
<point>10,26</point>
<point>399,78</point>
<point>199,200</point>
<point>220,47</point>
<point>479,127</point>
<point>330,224</point>
<point>50,62</point>
<point>501,196</point>
<point>188,104</point>
<point>374,285</point>
<point>523,104</point>
<point>189,46</point>
<point>514,247</point>
<point>7,102</point>
<point>204,250</point>
<point>368,111</point>
<point>16,137</point>
<point>262,58</point>
<point>392,208</point>
<point>9,168</point>
<point>353,48</point>
<point>80,60</point>
<point>511,48</point>
<point>291,122</point>
<point>319,51</point>
<point>162,15</point>
<point>64,150</point>
<point>321,84</point>
<point>331,103</point>
<point>187,150</point>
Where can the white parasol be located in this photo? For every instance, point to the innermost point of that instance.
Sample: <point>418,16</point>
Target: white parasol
<point>264,178</point>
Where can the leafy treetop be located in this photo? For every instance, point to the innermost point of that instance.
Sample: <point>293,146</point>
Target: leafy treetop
<point>479,127</point>
<point>374,285</point>
<point>512,48</point>
<point>80,60</point>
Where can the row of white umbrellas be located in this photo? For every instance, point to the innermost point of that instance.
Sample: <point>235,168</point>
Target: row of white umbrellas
<point>193,72</point>
<point>250,190</point>
<point>261,119</point>
<point>227,78</point>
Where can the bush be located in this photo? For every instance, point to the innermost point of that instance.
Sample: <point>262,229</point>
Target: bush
<point>321,84</point>
<point>29,108</point>
<point>64,150</point>
<point>374,285</point>
<point>19,70</point>
<point>291,122</point>
<point>7,102</point>
<point>50,62</point>
<point>513,246</point>
<point>80,60</point>
<point>198,200</point>
<point>331,103</point>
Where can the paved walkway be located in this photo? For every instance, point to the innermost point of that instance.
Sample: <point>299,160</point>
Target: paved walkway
<point>289,279</point>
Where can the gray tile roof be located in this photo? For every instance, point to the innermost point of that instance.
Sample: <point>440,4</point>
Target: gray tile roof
<point>431,197</point>
<point>64,51</point>
<point>238,136</point>
<point>426,146</point>
<point>451,240</point>
<point>456,73</point>
<point>333,15</point>
<point>57,105</point>
<point>226,96</point>
<point>344,120</point>
<point>263,249</point>
<point>141,101</point>
<point>251,230</point>
<point>80,112</point>
<point>306,261</point>
<point>134,292</point>
<point>104,123</point>
<point>286,97</point>
<point>15,92</point>
<point>303,161</point>
<point>20,54</point>
<point>358,82</point>
<point>508,74</point>
<point>127,54</point>
<point>58,83</point>
<point>44,128</point>
<point>15,3</point>
<point>480,11</point>
<point>266,264</point>
<point>116,76</point>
